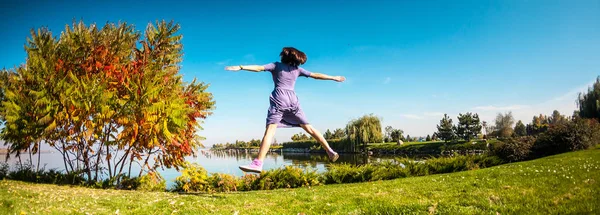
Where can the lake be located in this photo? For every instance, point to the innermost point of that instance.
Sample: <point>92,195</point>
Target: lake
<point>223,161</point>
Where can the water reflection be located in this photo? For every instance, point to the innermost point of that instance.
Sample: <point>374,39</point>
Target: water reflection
<point>228,161</point>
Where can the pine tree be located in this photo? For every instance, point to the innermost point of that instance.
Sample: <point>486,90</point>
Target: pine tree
<point>468,126</point>
<point>520,129</point>
<point>445,131</point>
<point>428,138</point>
<point>339,134</point>
<point>328,135</point>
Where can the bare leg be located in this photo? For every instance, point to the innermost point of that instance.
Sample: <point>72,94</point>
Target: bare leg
<point>266,141</point>
<point>317,135</point>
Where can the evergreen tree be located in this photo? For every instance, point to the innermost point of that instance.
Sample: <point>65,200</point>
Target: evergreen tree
<point>328,135</point>
<point>468,126</point>
<point>445,131</point>
<point>520,129</point>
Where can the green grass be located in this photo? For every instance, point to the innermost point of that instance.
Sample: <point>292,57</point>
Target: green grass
<point>561,184</point>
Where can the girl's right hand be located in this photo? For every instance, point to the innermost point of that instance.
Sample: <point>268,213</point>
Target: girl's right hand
<point>233,68</point>
<point>339,78</point>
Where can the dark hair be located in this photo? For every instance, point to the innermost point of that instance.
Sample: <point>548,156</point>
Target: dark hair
<point>292,56</point>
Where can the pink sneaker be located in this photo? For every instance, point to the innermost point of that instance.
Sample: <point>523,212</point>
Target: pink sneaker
<point>255,166</point>
<point>333,156</point>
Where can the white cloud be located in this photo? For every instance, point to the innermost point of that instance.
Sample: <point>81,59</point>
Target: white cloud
<point>411,116</point>
<point>564,103</point>
<point>387,80</point>
<point>572,95</point>
<point>433,114</point>
<point>500,108</point>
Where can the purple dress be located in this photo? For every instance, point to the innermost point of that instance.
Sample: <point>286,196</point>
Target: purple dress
<point>285,108</point>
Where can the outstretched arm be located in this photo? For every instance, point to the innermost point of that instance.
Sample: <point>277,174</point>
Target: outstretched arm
<point>327,77</point>
<point>253,68</point>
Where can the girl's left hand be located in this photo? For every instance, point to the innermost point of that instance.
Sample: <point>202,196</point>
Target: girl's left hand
<point>233,68</point>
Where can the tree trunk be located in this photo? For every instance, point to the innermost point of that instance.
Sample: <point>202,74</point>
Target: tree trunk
<point>122,162</point>
<point>145,163</point>
<point>39,156</point>
<point>129,171</point>
<point>98,162</point>
<point>30,158</point>
<point>108,162</point>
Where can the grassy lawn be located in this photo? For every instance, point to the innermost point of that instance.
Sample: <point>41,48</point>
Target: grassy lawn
<point>561,184</point>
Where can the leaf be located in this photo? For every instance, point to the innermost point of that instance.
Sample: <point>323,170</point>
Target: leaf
<point>51,127</point>
<point>166,130</point>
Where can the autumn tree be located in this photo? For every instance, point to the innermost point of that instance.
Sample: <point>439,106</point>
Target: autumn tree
<point>106,96</point>
<point>539,124</point>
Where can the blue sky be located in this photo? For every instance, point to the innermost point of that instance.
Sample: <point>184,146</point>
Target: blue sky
<point>405,61</point>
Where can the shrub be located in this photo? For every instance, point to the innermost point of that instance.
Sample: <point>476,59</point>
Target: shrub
<point>24,172</point>
<point>152,181</point>
<point>3,170</point>
<point>248,182</point>
<point>220,182</point>
<point>569,136</point>
<point>127,183</point>
<point>389,170</point>
<point>347,173</point>
<point>193,178</point>
<point>287,177</point>
<point>514,149</point>
<point>404,167</point>
<point>27,172</point>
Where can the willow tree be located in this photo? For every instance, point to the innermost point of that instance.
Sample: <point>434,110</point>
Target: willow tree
<point>589,102</point>
<point>106,98</point>
<point>366,129</point>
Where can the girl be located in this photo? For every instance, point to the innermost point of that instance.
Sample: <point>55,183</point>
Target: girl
<point>285,110</point>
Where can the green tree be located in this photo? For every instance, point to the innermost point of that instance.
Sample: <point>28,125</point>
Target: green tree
<point>434,137</point>
<point>556,118</point>
<point>366,129</point>
<point>408,139</point>
<point>445,130</point>
<point>504,125</point>
<point>520,129</point>
<point>388,132</point>
<point>428,138</point>
<point>339,134</point>
<point>300,137</point>
<point>328,135</point>
<point>396,134</point>
<point>589,102</point>
<point>468,126</point>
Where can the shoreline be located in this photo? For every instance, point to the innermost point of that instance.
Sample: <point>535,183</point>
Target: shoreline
<point>4,151</point>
